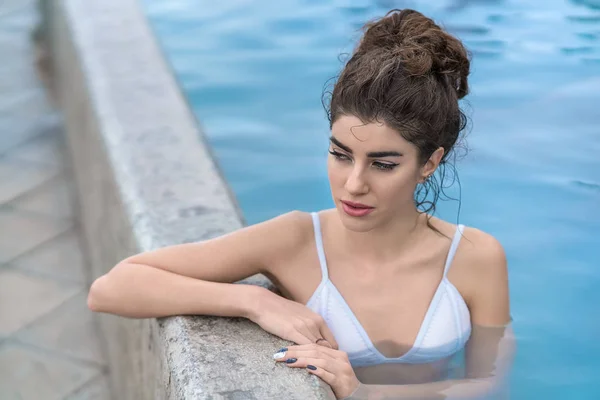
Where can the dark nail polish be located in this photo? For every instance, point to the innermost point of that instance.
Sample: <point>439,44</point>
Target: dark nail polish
<point>282,350</point>
<point>291,360</point>
<point>312,367</point>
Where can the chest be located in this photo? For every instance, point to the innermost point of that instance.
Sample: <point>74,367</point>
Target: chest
<point>390,308</point>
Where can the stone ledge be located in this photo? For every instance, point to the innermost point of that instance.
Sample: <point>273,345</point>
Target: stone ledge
<point>146,179</point>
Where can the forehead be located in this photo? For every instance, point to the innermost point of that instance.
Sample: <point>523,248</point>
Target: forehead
<point>373,136</point>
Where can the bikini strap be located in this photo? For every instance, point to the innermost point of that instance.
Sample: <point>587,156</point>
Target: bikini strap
<point>453,247</point>
<point>319,242</point>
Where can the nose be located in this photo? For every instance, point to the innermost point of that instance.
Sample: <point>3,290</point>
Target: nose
<point>356,183</point>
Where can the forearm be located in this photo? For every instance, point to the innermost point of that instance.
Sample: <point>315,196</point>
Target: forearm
<point>141,291</point>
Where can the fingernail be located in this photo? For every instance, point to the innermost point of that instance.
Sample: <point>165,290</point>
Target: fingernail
<point>280,354</point>
<point>311,367</point>
<point>282,349</point>
<point>291,360</point>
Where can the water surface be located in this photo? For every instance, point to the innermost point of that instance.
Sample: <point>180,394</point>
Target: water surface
<point>254,72</point>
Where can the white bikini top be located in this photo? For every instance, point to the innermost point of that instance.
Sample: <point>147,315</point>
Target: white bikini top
<point>444,330</point>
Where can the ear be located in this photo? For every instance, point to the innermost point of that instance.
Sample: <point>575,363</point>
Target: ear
<point>432,164</point>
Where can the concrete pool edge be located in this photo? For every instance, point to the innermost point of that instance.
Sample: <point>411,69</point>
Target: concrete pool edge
<point>146,179</point>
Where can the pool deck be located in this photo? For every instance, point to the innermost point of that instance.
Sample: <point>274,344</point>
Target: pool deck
<point>49,343</point>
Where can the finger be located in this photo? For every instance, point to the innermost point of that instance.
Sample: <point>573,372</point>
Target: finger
<point>309,330</point>
<point>298,337</point>
<point>316,366</point>
<point>315,326</point>
<point>327,376</point>
<point>328,335</point>
<point>323,342</point>
<point>304,362</point>
<point>337,354</point>
<point>318,329</point>
<point>308,352</point>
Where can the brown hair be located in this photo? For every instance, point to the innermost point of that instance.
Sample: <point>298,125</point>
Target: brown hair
<point>409,74</point>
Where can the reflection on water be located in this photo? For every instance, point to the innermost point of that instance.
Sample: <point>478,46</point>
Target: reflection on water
<point>479,371</point>
<point>254,72</point>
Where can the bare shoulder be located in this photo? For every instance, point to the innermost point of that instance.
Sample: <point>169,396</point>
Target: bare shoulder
<point>290,231</point>
<point>482,270</point>
<point>478,251</point>
<point>482,251</point>
<point>288,222</point>
<point>292,228</point>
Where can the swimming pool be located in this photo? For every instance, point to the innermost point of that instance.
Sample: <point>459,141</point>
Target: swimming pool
<point>254,72</point>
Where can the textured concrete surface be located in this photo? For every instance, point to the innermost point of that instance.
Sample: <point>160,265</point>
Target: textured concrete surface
<point>49,343</point>
<point>146,179</point>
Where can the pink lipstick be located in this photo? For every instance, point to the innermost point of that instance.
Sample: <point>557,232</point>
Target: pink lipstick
<point>356,209</point>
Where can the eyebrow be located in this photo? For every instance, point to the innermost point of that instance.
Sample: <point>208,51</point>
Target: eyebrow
<point>374,154</point>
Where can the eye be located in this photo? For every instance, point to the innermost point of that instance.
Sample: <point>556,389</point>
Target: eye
<point>384,166</point>
<point>339,156</point>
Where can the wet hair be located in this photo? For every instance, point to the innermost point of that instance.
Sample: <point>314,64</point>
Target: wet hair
<point>408,73</point>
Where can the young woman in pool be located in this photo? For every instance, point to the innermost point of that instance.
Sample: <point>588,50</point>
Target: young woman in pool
<point>376,287</point>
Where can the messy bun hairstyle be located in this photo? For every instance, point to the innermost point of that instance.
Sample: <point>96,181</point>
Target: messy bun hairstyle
<point>408,73</point>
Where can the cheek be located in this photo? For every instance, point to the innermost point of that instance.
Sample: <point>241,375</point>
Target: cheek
<point>334,173</point>
<point>399,184</point>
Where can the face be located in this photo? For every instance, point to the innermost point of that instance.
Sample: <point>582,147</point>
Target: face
<point>371,164</point>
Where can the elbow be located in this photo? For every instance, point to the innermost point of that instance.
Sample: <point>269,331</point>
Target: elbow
<point>97,299</point>
<point>104,291</point>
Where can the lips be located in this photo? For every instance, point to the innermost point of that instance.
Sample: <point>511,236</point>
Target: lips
<point>356,209</point>
<point>356,205</point>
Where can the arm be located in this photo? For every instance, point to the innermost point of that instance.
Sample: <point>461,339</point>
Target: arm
<point>197,278</point>
<point>491,347</point>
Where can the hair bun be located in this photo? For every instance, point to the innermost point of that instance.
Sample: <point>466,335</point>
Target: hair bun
<point>422,46</point>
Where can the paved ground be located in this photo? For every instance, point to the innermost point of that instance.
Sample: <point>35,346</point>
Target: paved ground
<point>49,347</point>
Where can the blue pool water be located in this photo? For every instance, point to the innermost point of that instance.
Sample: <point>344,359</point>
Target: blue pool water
<point>254,72</point>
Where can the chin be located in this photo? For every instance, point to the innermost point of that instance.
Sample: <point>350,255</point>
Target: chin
<point>357,224</point>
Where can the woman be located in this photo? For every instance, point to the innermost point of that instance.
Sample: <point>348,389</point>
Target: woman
<point>376,286</point>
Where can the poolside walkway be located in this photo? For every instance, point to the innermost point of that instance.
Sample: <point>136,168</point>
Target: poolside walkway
<point>49,344</point>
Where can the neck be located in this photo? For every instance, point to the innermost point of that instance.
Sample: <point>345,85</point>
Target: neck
<point>384,242</point>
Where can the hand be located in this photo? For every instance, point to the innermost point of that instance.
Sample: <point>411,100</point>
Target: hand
<point>290,320</point>
<point>328,364</point>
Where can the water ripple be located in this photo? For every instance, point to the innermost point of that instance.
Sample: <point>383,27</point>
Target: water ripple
<point>592,4</point>
<point>587,185</point>
<point>577,50</point>
<point>254,72</point>
<point>588,35</point>
<point>457,5</point>
<point>467,29</point>
<point>585,19</point>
